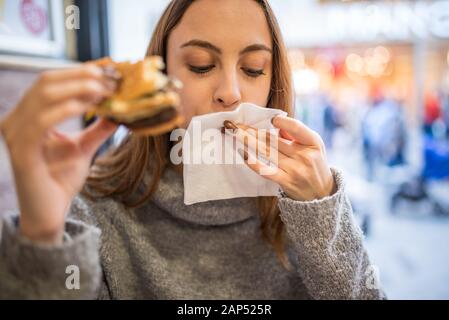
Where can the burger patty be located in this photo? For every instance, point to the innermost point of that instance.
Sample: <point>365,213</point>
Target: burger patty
<point>164,116</point>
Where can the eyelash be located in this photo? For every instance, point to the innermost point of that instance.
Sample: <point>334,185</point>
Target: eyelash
<point>206,69</point>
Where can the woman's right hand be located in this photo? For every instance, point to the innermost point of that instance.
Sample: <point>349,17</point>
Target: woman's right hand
<point>49,167</point>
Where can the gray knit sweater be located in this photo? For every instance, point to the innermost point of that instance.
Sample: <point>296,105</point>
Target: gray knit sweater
<point>213,250</point>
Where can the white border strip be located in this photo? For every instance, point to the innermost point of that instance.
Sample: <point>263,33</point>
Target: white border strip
<point>33,63</point>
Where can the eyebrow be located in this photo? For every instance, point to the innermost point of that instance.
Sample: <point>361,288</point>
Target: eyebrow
<point>209,46</point>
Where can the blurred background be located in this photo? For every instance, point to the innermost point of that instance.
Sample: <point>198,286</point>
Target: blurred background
<point>372,77</point>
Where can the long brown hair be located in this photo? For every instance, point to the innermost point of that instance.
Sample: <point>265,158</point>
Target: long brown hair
<point>127,164</point>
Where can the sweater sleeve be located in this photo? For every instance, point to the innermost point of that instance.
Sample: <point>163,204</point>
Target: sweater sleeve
<point>328,245</point>
<point>71,270</point>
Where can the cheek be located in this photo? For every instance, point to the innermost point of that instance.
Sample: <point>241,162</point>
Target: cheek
<point>257,93</point>
<point>195,97</point>
<point>174,70</point>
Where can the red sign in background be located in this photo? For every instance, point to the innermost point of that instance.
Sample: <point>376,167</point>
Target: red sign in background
<point>33,16</point>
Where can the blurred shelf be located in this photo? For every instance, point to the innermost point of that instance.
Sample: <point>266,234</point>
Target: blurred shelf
<point>33,63</point>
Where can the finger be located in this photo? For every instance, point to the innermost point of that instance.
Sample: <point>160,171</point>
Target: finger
<point>55,134</point>
<point>262,146</point>
<point>285,135</point>
<point>297,130</point>
<point>95,135</point>
<point>90,89</point>
<point>61,112</point>
<point>285,146</point>
<point>86,71</point>
<point>58,145</point>
<point>272,173</point>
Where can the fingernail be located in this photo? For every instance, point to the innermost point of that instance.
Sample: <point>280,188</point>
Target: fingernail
<point>230,125</point>
<point>174,84</point>
<point>228,131</point>
<point>111,72</point>
<point>111,85</point>
<point>244,154</point>
<point>272,120</point>
<point>98,100</point>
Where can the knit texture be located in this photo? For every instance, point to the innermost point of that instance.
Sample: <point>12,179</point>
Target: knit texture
<point>212,250</point>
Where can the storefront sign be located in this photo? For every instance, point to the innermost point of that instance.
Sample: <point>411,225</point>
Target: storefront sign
<point>395,21</point>
<point>400,21</point>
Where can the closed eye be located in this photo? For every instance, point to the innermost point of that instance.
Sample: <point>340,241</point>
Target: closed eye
<point>253,73</point>
<point>201,69</point>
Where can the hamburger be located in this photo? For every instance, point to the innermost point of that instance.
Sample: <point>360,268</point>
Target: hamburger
<point>145,100</point>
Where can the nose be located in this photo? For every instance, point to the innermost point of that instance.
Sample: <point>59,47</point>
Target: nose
<point>227,94</point>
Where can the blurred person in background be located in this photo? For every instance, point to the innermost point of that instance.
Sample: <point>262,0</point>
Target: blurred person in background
<point>383,133</point>
<point>432,112</point>
<point>445,110</point>
<point>331,121</point>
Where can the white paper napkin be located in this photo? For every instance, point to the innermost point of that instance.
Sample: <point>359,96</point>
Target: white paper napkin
<point>206,180</point>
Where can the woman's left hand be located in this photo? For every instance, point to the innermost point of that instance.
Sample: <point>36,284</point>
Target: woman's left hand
<point>301,169</point>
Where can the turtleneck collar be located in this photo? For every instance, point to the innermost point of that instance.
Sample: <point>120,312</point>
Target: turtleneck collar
<point>170,197</point>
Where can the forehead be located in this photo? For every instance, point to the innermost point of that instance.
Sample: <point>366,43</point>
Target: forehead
<point>228,24</point>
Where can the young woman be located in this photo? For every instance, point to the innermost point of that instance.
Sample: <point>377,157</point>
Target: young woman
<point>128,233</point>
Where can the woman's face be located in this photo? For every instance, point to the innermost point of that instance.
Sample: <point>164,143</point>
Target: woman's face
<point>222,52</point>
